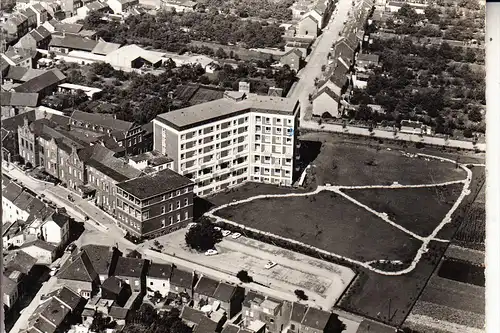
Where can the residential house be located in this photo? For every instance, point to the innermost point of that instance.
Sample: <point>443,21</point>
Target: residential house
<point>292,58</point>
<point>10,140</point>
<point>326,103</point>
<point>151,161</point>
<point>104,48</point>
<point>103,259</point>
<point>61,28</point>
<point>41,13</point>
<point>158,278</point>
<point>128,135</point>
<point>44,84</point>
<point>116,289</point>
<point>55,229</point>
<point>19,57</point>
<point>79,275</point>
<point>9,195</point>
<point>297,315</point>
<point>133,272</point>
<point>19,100</point>
<point>154,204</point>
<point>44,252</point>
<point>15,235</point>
<point>191,317</point>
<point>301,46</point>
<point>275,314</point>
<point>56,313</point>
<point>119,315</point>
<point>32,17</point>
<point>308,27</point>
<point>182,283</point>
<point>415,127</point>
<point>395,6</point>
<point>16,26</point>
<point>70,7</point>
<point>9,289</point>
<point>104,171</point>
<point>70,42</point>
<point>19,261</point>
<point>204,291</point>
<point>320,321</point>
<point>17,74</point>
<point>94,6</point>
<point>38,38</point>
<point>360,80</point>
<point>230,298</point>
<point>179,5</point>
<point>122,6</point>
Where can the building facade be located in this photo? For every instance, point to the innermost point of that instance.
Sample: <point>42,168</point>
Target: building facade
<point>226,142</point>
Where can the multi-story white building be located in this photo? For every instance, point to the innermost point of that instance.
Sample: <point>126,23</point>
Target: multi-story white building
<point>226,142</point>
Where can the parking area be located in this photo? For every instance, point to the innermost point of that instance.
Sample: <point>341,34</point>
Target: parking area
<point>321,281</point>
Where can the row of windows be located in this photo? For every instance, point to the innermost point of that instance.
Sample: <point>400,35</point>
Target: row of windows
<point>217,137</point>
<point>267,120</point>
<point>26,144</point>
<point>217,127</point>
<point>178,218</point>
<point>149,202</point>
<point>146,215</point>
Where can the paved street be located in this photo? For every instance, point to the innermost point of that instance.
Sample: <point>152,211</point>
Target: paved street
<point>319,56</point>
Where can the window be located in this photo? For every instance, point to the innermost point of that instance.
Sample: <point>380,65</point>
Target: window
<point>178,217</point>
<point>163,223</point>
<point>136,283</point>
<point>170,207</point>
<point>186,215</point>
<point>178,205</point>
<point>186,201</point>
<point>178,192</point>
<point>151,283</point>
<point>145,215</point>
<point>163,209</point>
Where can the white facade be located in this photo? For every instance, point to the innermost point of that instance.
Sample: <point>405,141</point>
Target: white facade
<point>43,256</point>
<point>12,213</point>
<point>251,146</point>
<point>53,233</point>
<point>160,285</point>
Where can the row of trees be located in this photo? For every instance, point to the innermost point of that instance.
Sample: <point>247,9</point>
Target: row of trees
<point>263,9</point>
<point>173,31</point>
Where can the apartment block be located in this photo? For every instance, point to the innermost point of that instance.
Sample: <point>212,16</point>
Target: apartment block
<point>155,204</point>
<point>228,141</point>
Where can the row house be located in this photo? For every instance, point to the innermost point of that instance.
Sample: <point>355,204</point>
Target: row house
<point>304,319</point>
<point>16,26</point>
<point>273,313</point>
<point>130,136</point>
<point>38,38</point>
<point>19,272</point>
<point>154,204</point>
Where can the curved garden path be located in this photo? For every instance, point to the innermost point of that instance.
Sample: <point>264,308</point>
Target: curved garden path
<point>338,189</point>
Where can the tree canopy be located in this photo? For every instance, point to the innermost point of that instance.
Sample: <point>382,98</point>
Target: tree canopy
<point>203,236</point>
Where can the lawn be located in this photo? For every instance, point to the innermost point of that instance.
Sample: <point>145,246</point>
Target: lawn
<point>404,205</point>
<point>461,271</point>
<point>327,221</point>
<point>345,163</point>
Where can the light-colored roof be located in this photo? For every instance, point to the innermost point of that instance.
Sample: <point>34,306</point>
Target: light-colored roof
<point>223,108</point>
<point>105,48</point>
<point>129,53</point>
<point>80,87</point>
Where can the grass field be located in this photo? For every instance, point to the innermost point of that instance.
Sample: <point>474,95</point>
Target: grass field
<point>328,221</point>
<point>404,205</point>
<point>243,53</point>
<point>461,271</point>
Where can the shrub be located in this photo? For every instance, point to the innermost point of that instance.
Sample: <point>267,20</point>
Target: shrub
<point>244,277</point>
<point>301,295</point>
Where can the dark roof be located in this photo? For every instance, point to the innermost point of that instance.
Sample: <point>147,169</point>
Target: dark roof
<point>329,92</point>
<point>20,261</point>
<point>129,267</point>
<point>12,191</point>
<point>37,84</point>
<point>60,219</point>
<point>368,57</point>
<point>15,73</point>
<point>148,128</point>
<point>253,296</point>
<point>206,325</point>
<point>224,292</point>
<point>23,200</point>
<point>192,315</point>
<point>78,268</point>
<point>73,42</point>
<point>19,99</point>
<point>8,286</point>
<point>40,33</point>
<point>118,312</point>
<point>160,271</point>
<point>67,296</point>
<point>100,256</point>
<point>102,119</point>
<point>154,184</point>
<point>229,328</point>
<point>44,325</point>
<point>103,160</point>
<point>113,284</point>
<point>316,318</point>
<point>55,312</point>
<point>181,278</point>
<point>298,311</point>
<point>72,28</point>
<point>206,286</point>
<point>293,51</point>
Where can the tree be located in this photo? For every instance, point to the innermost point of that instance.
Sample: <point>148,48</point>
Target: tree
<point>93,19</point>
<point>468,133</point>
<point>203,236</point>
<point>244,277</point>
<point>301,295</point>
<point>475,115</point>
<point>221,53</point>
<point>100,324</point>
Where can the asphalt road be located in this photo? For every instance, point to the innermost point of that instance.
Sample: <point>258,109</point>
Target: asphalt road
<point>319,56</point>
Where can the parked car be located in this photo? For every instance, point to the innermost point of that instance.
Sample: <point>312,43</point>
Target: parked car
<point>211,252</point>
<point>270,264</point>
<point>236,235</point>
<point>190,225</point>
<point>226,233</point>
<point>218,228</point>
<point>70,248</point>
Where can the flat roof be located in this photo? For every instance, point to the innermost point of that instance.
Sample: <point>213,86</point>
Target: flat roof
<point>200,114</point>
<point>154,184</point>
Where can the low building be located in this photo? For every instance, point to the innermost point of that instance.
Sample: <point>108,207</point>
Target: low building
<point>297,315</point>
<point>301,46</point>
<point>116,289</point>
<point>9,289</point>
<point>55,229</point>
<point>179,5</point>
<point>326,102</point>
<point>365,61</point>
<point>9,195</point>
<point>44,252</point>
<point>360,80</point>
<point>293,59</point>
<point>415,127</point>
<point>19,100</point>
<point>133,272</point>
<point>19,57</point>
<point>70,42</point>
<point>74,88</point>
<point>151,161</point>
<point>319,321</point>
<point>94,6</point>
<point>104,48</point>
<point>78,274</point>
<point>44,84</point>
<point>308,27</point>
<point>395,6</point>
<point>158,278</point>
<point>132,57</point>
<point>103,259</point>
<point>204,291</point>
<point>122,6</point>
<point>230,298</point>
